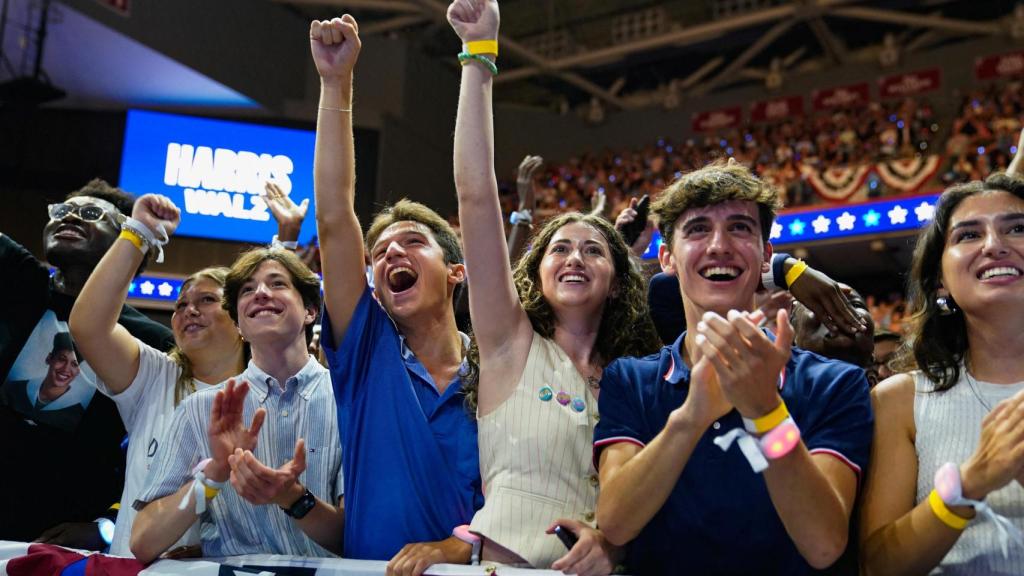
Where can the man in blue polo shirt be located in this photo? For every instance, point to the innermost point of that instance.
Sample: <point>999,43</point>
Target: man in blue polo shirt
<point>673,480</point>
<point>409,447</point>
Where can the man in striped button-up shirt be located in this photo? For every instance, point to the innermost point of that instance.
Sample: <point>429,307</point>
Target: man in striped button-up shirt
<point>285,489</point>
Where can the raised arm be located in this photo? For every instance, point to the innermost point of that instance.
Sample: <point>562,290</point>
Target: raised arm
<point>520,232</point>
<point>286,212</point>
<point>335,47</point>
<point>494,304</point>
<point>899,537</point>
<point>1016,168</point>
<point>108,347</point>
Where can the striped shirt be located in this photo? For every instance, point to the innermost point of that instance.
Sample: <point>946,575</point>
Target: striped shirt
<point>302,408</point>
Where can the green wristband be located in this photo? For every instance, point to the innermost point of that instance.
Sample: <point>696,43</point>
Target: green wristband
<point>487,62</point>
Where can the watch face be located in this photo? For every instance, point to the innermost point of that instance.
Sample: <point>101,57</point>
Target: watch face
<point>302,506</point>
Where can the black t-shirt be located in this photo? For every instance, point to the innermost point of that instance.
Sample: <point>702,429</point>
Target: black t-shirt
<point>61,458</point>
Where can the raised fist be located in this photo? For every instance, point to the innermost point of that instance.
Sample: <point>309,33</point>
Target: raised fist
<point>335,46</point>
<point>157,212</point>
<point>474,19</point>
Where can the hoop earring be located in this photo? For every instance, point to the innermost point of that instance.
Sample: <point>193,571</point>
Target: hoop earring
<point>946,305</point>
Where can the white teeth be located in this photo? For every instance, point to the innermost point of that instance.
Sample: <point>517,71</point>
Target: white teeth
<point>265,312</point>
<point>573,278</point>
<point>399,269</point>
<point>1000,271</point>
<point>721,271</point>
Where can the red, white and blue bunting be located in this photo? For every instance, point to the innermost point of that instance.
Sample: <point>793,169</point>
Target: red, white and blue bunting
<point>908,175</point>
<point>836,184</point>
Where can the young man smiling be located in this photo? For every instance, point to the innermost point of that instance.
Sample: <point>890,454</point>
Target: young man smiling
<point>395,354</point>
<point>272,504</point>
<point>670,481</point>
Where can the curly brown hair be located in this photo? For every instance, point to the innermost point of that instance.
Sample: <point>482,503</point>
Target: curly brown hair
<point>936,343</point>
<point>626,328</point>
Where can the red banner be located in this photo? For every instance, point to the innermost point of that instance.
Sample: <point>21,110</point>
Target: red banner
<point>903,85</point>
<point>717,119</point>
<point>845,96</point>
<point>777,109</point>
<point>1011,64</point>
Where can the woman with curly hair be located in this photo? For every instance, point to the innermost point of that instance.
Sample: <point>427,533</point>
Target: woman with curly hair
<point>943,494</point>
<point>543,335</point>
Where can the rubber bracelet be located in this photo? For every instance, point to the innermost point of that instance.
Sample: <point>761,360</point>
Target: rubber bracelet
<point>780,440</point>
<point>944,514</point>
<point>462,533</point>
<point>481,47</point>
<point>520,217</point>
<point>135,239</point>
<point>767,422</point>
<point>487,62</point>
<point>795,272</point>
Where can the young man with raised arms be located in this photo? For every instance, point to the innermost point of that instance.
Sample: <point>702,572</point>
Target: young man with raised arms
<point>672,483</point>
<point>412,472</point>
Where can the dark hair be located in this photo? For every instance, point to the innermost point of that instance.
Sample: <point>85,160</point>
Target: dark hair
<point>936,343</point>
<point>185,384</point>
<point>306,282</point>
<point>98,188</point>
<point>715,183</point>
<point>626,328</point>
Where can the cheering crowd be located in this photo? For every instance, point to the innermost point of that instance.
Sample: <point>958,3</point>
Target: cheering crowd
<point>736,413</point>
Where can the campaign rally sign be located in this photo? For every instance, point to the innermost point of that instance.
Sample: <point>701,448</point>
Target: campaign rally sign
<point>216,170</point>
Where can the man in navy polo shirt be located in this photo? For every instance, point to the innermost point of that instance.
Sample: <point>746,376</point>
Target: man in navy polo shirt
<point>409,447</point>
<point>687,503</point>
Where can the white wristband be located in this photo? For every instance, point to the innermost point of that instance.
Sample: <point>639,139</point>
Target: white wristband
<point>287,244</point>
<point>947,484</point>
<point>148,236</point>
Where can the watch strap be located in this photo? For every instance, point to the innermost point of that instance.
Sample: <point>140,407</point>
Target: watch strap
<point>302,506</point>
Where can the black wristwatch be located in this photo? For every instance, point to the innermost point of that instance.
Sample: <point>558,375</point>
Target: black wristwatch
<point>302,506</point>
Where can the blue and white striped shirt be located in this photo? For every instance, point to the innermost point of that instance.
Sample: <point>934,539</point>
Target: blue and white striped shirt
<point>303,407</point>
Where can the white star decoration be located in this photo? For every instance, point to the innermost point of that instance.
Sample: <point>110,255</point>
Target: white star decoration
<point>846,221</point>
<point>821,224</point>
<point>776,231</point>
<point>898,215</point>
<point>925,212</point>
<point>147,288</point>
<point>165,289</point>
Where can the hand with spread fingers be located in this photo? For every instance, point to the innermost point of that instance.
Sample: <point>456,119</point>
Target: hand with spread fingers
<point>335,45</point>
<point>826,298</point>
<point>746,362</point>
<point>260,484</point>
<point>226,432</point>
<point>286,212</point>
<point>524,181</point>
<point>592,555</point>
<point>474,19</point>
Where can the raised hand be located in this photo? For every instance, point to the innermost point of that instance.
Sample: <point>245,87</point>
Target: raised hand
<point>226,432</point>
<point>260,484</point>
<point>590,556</point>
<point>474,19</point>
<point>826,298</point>
<point>745,360</point>
<point>598,202</point>
<point>1015,168</point>
<point>524,181</point>
<point>287,213</point>
<point>157,212</point>
<point>705,401</point>
<point>335,46</point>
<point>637,234</point>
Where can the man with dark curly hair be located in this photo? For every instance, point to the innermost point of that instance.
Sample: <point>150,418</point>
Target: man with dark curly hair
<point>60,478</point>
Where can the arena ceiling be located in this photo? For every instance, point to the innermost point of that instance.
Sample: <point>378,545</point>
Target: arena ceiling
<point>634,53</point>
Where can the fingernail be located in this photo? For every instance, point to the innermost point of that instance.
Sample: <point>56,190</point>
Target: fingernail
<point>702,326</point>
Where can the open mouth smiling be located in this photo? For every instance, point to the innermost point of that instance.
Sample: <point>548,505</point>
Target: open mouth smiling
<point>263,311</point>
<point>401,278</point>
<point>720,273</point>
<point>999,272</point>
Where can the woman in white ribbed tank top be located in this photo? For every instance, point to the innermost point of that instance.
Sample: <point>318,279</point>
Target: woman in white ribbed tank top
<point>543,335</point>
<point>965,403</point>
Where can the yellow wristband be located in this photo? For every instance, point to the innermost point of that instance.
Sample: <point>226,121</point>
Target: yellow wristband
<point>482,47</point>
<point>943,513</point>
<point>795,272</point>
<point>767,422</point>
<point>134,238</point>
<point>211,492</point>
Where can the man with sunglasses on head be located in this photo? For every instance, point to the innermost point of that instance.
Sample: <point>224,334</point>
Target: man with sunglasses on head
<point>59,482</point>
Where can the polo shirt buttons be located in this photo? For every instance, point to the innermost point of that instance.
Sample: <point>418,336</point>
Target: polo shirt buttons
<point>589,516</point>
<point>716,425</point>
<point>284,413</point>
<point>594,480</point>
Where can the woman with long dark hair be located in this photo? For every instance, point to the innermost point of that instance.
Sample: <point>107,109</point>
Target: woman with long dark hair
<point>943,492</point>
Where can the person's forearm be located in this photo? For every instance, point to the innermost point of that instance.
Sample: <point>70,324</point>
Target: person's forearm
<point>517,239</point>
<point>637,490</point>
<point>160,524</point>
<point>98,306</point>
<point>914,544</point>
<point>334,157</point>
<point>808,506</point>
<point>325,525</point>
<point>474,136</point>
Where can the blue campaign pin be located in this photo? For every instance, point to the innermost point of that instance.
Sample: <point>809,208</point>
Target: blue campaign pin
<point>578,404</point>
<point>546,393</point>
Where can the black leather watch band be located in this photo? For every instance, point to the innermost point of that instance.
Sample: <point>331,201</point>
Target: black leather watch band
<point>302,506</point>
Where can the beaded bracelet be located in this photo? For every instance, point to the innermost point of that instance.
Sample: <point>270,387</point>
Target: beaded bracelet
<point>465,57</point>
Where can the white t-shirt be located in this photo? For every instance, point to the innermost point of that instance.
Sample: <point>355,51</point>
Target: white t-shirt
<point>146,407</point>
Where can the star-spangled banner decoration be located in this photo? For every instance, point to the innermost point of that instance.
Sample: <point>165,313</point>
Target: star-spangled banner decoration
<point>846,220</point>
<point>155,288</point>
